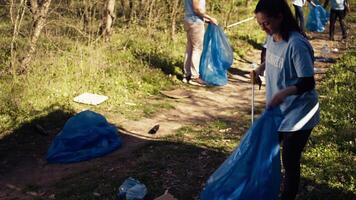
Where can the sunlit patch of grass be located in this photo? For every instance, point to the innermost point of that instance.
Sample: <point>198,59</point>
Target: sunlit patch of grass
<point>107,69</point>
<point>330,155</point>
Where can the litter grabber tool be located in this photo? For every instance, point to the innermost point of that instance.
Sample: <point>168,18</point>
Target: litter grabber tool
<point>253,66</point>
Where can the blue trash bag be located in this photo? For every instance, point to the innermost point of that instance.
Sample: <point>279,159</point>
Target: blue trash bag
<point>252,171</point>
<point>216,58</point>
<point>85,136</point>
<point>131,189</point>
<point>317,19</point>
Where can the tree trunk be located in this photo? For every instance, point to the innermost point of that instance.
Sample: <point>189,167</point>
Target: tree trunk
<point>39,19</point>
<point>230,11</point>
<point>17,24</point>
<point>150,16</point>
<point>174,18</point>
<point>108,19</point>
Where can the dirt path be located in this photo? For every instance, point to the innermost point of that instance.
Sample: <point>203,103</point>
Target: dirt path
<point>203,104</point>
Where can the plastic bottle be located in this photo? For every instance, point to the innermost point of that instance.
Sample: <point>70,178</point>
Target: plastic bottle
<point>131,189</point>
<point>137,192</point>
<point>325,50</point>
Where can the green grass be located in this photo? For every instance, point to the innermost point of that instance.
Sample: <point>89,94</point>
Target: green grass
<point>330,156</point>
<point>113,69</point>
<point>130,70</point>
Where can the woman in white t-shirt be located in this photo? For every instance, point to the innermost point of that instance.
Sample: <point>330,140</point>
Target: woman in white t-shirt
<point>194,18</point>
<point>290,85</point>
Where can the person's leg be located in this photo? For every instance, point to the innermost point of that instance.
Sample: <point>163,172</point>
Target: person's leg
<point>188,52</point>
<point>332,24</point>
<point>292,146</point>
<point>197,36</point>
<point>341,15</point>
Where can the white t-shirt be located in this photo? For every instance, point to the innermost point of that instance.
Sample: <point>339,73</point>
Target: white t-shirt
<point>299,3</point>
<point>338,4</point>
<point>286,61</point>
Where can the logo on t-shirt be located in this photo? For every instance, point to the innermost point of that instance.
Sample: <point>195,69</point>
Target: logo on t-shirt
<point>275,60</point>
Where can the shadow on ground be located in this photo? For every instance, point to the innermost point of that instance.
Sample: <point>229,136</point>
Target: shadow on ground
<point>176,163</point>
<point>27,144</point>
<point>164,62</point>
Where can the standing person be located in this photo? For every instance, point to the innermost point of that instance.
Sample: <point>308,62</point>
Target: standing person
<point>299,14</point>
<point>194,19</point>
<point>338,10</point>
<point>290,85</point>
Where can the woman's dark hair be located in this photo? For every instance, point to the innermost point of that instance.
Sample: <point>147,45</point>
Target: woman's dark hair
<point>273,8</point>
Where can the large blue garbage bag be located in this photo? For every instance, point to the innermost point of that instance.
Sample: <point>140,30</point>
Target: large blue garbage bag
<point>253,170</point>
<point>317,19</point>
<point>84,136</point>
<point>216,58</point>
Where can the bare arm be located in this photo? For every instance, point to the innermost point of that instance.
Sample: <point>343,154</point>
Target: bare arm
<point>279,97</point>
<point>311,2</point>
<point>200,12</point>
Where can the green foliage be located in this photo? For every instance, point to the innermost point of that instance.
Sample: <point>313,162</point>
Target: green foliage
<point>111,69</point>
<point>338,105</point>
<point>330,156</point>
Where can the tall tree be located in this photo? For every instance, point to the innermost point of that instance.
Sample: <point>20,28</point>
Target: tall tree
<point>39,9</point>
<point>174,18</point>
<point>107,19</point>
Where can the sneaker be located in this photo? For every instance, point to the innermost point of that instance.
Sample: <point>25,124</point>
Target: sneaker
<point>185,80</point>
<point>196,82</point>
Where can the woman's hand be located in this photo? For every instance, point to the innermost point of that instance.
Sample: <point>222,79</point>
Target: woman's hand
<point>279,97</point>
<point>255,79</point>
<point>209,19</point>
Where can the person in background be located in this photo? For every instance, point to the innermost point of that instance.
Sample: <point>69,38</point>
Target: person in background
<point>290,85</point>
<point>195,16</point>
<point>337,11</point>
<point>299,14</point>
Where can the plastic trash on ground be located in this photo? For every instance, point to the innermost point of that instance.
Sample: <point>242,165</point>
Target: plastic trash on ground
<point>89,98</point>
<point>252,171</point>
<point>216,58</point>
<point>84,136</point>
<point>317,19</point>
<point>132,189</point>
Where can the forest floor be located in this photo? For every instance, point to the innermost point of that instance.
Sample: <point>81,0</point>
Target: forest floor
<point>26,175</point>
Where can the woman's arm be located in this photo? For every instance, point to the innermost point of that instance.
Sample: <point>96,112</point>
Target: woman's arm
<point>311,2</point>
<point>256,73</point>
<point>304,84</point>
<point>200,12</point>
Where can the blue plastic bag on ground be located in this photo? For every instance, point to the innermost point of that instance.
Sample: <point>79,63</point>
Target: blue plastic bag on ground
<point>216,58</point>
<point>253,170</point>
<point>131,189</point>
<point>84,136</point>
<point>317,19</point>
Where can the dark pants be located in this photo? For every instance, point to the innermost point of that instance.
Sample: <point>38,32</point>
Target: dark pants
<point>299,16</point>
<point>334,15</point>
<point>292,146</point>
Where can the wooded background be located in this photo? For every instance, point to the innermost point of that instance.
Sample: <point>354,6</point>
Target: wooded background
<point>26,21</point>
